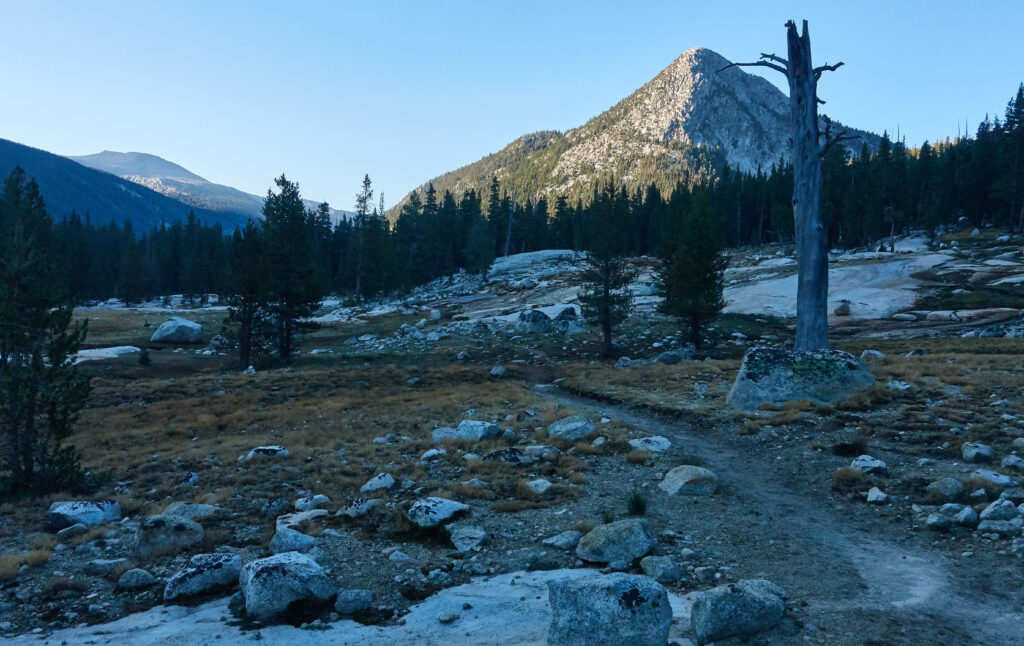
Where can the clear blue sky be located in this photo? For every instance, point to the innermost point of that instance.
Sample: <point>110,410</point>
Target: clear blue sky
<point>239,92</point>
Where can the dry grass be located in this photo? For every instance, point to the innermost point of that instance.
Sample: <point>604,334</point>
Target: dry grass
<point>11,563</point>
<point>848,479</point>
<point>638,456</point>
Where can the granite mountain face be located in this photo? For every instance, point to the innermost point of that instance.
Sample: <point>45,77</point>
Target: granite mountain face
<point>684,124</point>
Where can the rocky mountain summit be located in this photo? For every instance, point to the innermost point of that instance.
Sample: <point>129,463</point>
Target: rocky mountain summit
<point>682,125</point>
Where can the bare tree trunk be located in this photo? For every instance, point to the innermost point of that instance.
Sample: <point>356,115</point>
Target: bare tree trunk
<point>811,236</point>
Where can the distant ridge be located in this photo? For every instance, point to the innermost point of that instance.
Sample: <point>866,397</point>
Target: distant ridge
<point>67,185</point>
<point>174,181</point>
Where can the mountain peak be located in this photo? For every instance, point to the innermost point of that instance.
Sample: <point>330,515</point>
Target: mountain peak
<point>688,121</point>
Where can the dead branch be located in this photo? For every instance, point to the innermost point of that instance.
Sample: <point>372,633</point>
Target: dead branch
<point>826,68</point>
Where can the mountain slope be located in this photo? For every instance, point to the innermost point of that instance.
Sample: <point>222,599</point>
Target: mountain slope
<point>67,185</point>
<point>181,184</point>
<point>682,125</point>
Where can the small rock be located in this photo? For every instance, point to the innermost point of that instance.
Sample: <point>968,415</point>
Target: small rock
<point>351,602</point>
<point>870,465</point>
<point>876,496</point>
<point>379,481</point>
<point>573,428</point>
<point>431,512</point>
<point>567,540</point>
<point>267,451</point>
<point>662,569</point>
<point>976,452</point>
<point>134,579</point>
<point>271,585</point>
<point>539,486</point>
<point>311,502</point>
<point>654,444</point>
<point>467,538</point>
<point>689,480</point>
<point>618,544</point>
<point>204,573</point>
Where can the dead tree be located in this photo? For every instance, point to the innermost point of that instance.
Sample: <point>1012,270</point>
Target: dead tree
<point>808,149</point>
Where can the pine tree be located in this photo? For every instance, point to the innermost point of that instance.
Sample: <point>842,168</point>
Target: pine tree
<point>292,290</point>
<point>41,391</point>
<point>693,275</point>
<point>604,296</point>
<point>248,283</point>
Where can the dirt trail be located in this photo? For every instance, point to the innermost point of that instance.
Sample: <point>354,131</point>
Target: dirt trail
<point>866,588</point>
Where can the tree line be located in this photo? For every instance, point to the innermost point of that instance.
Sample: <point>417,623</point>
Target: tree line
<point>867,197</point>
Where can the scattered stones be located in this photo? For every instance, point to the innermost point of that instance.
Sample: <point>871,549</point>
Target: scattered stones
<point>689,480</point>
<point>567,540</point>
<point>165,533</point>
<point>573,428</point>
<point>608,610</point>
<point>945,490</point>
<point>286,539</point>
<point>103,567</point>
<point>511,456</point>
<point>178,330</point>
<point>533,322</point>
<point>869,465</point>
<point>1000,510</point>
<point>135,579</point>
<point>976,452</point>
<point>272,584</point>
<point>467,538</point>
<point>432,454</point>
<point>295,519</point>
<point>618,544</point>
<point>876,496</point>
<point>540,486</point>
<point>738,609</point>
<point>654,444</point>
<point>992,478</point>
<point>775,375</point>
<point>357,507</point>
<point>672,357</point>
<point>204,573</point>
<point>467,430</point>
<point>662,569</point>
<point>190,510</point>
<point>351,602</point>
<point>966,517</point>
<point>68,513</point>
<point>267,451</point>
<point>1013,462</point>
<point>433,511</point>
<point>379,481</point>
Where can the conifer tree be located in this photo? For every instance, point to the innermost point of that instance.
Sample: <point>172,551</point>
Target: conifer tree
<point>693,275</point>
<point>292,290</point>
<point>604,295</point>
<point>248,284</point>
<point>41,391</point>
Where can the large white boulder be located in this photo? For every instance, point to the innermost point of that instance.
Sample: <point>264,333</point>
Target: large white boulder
<point>68,513</point>
<point>467,430</point>
<point>573,428</point>
<point>272,584</point>
<point>178,330</point>
<point>776,376</point>
<point>618,544</point>
<point>737,609</point>
<point>609,610</point>
<point>434,511</point>
<point>204,573</point>
<point>689,480</point>
<point>165,534</point>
